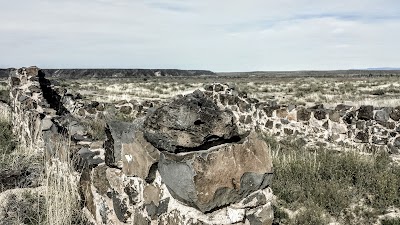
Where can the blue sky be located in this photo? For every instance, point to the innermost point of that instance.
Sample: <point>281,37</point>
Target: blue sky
<point>220,35</point>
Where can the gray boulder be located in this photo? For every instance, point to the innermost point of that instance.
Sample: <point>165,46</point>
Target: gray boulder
<point>190,123</point>
<point>126,148</point>
<point>219,176</point>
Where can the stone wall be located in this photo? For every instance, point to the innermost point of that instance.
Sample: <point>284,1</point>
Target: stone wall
<point>343,126</point>
<point>194,159</point>
<point>132,177</point>
<point>27,107</point>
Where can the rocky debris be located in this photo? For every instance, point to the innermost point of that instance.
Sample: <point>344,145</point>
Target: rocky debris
<point>195,178</point>
<point>191,123</point>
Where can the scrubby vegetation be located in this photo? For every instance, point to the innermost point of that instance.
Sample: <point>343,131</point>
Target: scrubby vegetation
<point>32,190</point>
<point>316,186</point>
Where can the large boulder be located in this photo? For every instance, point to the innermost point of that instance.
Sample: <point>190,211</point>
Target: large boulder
<point>190,123</point>
<point>219,176</point>
<point>126,148</point>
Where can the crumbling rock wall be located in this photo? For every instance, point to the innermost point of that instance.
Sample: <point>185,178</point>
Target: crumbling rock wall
<point>166,168</point>
<point>138,182</point>
<point>342,126</point>
<point>196,159</point>
<point>41,118</point>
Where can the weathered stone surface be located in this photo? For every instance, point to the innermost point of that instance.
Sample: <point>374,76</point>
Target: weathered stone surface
<point>379,140</point>
<point>349,117</point>
<point>281,113</point>
<point>396,143</point>
<point>195,178</point>
<point>193,122</point>
<point>342,107</point>
<point>395,114</point>
<point>366,112</point>
<point>360,125</point>
<point>118,133</point>
<point>363,137</point>
<point>46,124</point>
<point>334,116</point>
<point>269,124</point>
<point>320,114</point>
<point>303,114</point>
<point>263,216</point>
<point>381,116</point>
<point>126,148</point>
<point>89,158</point>
<point>126,109</point>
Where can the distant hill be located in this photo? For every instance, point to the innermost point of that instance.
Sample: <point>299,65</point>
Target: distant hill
<point>384,68</point>
<point>103,73</point>
<point>123,73</point>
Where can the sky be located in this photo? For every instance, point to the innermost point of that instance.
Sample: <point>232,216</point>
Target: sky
<point>219,35</point>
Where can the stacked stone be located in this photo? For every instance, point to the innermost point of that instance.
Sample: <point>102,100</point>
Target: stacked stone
<point>41,119</point>
<point>366,126</point>
<point>27,107</point>
<point>186,163</point>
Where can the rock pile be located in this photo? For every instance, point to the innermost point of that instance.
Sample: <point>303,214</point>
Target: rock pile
<point>185,163</point>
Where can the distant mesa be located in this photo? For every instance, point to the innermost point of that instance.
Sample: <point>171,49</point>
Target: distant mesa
<point>118,73</point>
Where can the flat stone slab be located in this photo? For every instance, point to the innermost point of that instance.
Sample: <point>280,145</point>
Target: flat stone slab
<point>220,176</point>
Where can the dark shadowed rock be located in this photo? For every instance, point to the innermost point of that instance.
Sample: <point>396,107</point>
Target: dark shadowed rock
<point>320,114</point>
<point>366,112</point>
<point>303,114</point>
<point>190,123</point>
<point>220,176</point>
<point>395,114</point>
<point>342,107</point>
<point>362,137</point>
<point>349,117</point>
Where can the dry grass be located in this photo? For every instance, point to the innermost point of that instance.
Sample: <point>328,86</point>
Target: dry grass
<point>381,91</point>
<point>323,185</point>
<point>58,201</point>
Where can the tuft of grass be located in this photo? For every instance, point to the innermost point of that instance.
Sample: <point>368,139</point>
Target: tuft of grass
<point>96,128</point>
<point>334,181</point>
<point>23,206</point>
<point>62,196</point>
<point>392,221</point>
<point>311,215</point>
<point>7,142</point>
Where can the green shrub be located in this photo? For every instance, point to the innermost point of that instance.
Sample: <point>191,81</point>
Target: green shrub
<point>333,180</point>
<point>7,144</point>
<point>27,209</point>
<point>312,215</point>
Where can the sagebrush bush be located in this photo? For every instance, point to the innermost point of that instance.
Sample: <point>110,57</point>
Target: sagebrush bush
<point>333,180</point>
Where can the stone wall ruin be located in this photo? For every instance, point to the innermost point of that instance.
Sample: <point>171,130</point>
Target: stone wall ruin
<point>194,159</point>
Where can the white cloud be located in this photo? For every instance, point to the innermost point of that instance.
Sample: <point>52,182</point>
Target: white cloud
<point>218,35</point>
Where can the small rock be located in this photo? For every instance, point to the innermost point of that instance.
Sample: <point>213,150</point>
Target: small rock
<point>366,112</point>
